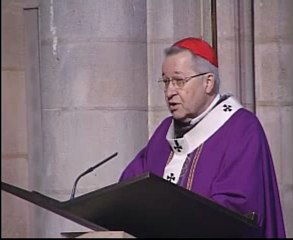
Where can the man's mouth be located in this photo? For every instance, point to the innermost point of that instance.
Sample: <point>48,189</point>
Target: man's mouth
<point>173,106</point>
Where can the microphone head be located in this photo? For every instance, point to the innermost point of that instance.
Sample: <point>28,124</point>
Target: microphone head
<point>88,171</point>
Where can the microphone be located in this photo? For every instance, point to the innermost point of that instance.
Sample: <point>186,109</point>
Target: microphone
<point>88,171</point>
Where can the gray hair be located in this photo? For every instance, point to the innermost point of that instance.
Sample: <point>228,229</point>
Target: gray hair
<point>200,64</point>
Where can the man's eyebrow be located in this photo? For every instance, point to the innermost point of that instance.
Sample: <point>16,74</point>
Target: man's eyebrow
<point>176,72</point>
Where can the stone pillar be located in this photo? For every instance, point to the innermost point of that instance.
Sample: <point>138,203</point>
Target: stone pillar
<point>274,90</point>
<point>93,69</point>
<point>167,22</point>
<point>235,49</point>
<point>15,162</point>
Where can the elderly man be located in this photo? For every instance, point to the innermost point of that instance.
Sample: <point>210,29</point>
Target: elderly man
<point>210,145</point>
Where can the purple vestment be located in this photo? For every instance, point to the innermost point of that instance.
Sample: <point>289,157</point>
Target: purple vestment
<point>234,168</point>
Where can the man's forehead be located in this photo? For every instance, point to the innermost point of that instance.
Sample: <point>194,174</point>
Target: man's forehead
<point>178,61</point>
<point>181,57</point>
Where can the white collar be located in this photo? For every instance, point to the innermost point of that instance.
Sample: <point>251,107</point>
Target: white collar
<point>205,128</point>
<point>202,115</point>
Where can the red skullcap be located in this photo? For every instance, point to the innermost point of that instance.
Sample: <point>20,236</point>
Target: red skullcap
<point>198,47</point>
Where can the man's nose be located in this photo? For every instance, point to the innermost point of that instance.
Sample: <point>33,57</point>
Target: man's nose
<point>170,90</point>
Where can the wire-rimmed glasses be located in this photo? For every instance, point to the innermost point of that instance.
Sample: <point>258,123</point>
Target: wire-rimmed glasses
<point>177,82</point>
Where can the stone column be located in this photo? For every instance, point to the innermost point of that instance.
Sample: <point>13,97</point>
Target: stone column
<point>235,49</point>
<point>93,69</point>
<point>274,90</point>
<point>15,153</point>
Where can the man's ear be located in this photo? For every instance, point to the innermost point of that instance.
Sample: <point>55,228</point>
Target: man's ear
<point>210,83</point>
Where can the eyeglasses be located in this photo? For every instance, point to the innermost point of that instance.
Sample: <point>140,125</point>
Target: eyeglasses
<point>176,81</point>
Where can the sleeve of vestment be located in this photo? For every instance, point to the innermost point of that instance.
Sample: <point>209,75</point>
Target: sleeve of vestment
<point>247,182</point>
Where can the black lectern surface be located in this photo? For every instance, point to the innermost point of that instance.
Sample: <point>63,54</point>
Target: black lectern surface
<point>146,206</point>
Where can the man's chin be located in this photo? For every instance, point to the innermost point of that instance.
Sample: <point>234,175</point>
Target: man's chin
<point>180,118</point>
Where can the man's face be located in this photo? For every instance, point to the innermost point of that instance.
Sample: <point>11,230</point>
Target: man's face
<point>192,99</point>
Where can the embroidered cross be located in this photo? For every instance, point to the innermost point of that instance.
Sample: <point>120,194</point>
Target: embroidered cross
<point>177,147</point>
<point>171,177</point>
<point>227,108</point>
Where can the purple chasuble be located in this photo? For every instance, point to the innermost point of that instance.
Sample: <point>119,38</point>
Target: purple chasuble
<point>234,168</point>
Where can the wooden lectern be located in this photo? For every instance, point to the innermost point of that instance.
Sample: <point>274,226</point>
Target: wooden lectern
<point>146,206</point>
